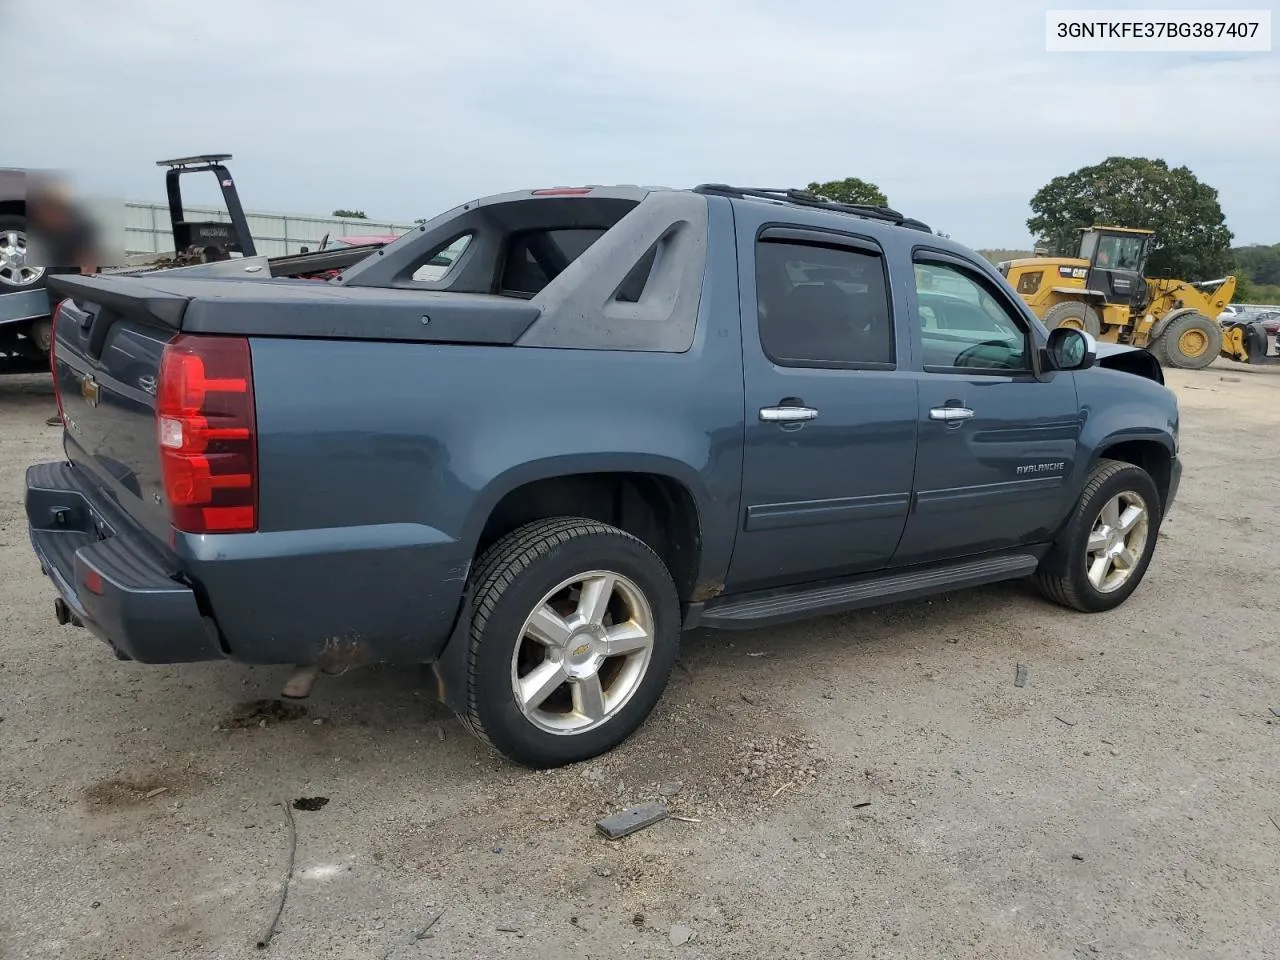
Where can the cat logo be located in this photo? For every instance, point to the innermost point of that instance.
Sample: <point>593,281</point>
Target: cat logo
<point>90,390</point>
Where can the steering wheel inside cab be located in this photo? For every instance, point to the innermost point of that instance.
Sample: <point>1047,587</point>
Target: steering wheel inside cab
<point>990,355</point>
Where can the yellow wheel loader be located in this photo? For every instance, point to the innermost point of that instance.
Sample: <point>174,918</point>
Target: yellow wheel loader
<point>1105,291</point>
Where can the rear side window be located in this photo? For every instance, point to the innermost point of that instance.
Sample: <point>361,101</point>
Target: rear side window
<point>536,257</point>
<point>823,306</point>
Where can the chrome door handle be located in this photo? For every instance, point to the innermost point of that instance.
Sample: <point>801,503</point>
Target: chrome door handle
<point>950,413</point>
<point>787,414</point>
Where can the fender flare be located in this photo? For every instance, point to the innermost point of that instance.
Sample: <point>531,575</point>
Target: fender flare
<point>450,665</point>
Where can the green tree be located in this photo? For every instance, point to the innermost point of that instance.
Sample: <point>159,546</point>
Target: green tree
<point>1259,262</point>
<point>353,214</point>
<point>1192,240</point>
<point>850,190</point>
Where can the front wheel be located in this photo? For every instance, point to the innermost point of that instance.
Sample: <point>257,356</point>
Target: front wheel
<point>1076,315</point>
<point>1109,540</point>
<point>574,633</point>
<point>1191,341</point>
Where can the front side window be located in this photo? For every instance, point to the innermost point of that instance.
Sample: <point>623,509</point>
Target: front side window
<point>964,326</point>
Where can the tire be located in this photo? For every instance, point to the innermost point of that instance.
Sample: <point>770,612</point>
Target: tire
<point>15,275</point>
<point>1110,482</point>
<point>1173,347</point>
<point>525,572</point>
<point>1081,316</point>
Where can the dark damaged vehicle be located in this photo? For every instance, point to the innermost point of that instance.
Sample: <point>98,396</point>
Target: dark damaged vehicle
<point>615,414</point>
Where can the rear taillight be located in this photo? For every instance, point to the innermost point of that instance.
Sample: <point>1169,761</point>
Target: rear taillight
<point>208,434</point>
<point>53,357</point>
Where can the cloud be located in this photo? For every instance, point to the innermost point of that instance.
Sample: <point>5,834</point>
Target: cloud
<point>404,108</point>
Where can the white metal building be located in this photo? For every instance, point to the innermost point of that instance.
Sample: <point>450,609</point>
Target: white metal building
<point>147,230</point>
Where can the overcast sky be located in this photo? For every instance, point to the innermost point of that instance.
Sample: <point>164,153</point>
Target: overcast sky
<point>403,108</point>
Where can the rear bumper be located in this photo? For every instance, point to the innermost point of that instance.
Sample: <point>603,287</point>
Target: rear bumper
<point>112,583</point>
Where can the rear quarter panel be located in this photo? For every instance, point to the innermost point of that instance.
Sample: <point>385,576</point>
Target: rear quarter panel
<point>380,464</point>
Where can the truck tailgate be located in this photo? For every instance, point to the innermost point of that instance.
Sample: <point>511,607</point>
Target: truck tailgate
<point>106,364</point>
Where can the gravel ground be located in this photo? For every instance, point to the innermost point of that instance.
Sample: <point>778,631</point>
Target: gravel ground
<point>869,785</point>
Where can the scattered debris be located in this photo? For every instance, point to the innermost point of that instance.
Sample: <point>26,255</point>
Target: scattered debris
<point>602,871</point>
<point>763,653</point>
<point>422,930</point>
<point>618,825</point>
<point>1273,822</point>
<point>514,930</point>
<point>637,919</point>
<point>584,923</point>
<point>685,819</point>
<point>680,935</point>
<point>259,713</point>
<point>497,849</point>
<point>747,699</point>
<point>1020,677</point>
<point>95,905</point>
<point>828,696</point>
<point>546,818</point>
<point>1076,856</point>
<point>440,732</point>
<point>265,939</point>
<point>418,934</point>
<point>310,803</point>
<point>156,792</point>
<point>317,722</point>
<point>1229,379</point>
<point>783,787</point>
<point>861,803</point>
<point>670,789</point>
<point>1276,711</point>
<point>1069,723</point>
<point>1106,741</point>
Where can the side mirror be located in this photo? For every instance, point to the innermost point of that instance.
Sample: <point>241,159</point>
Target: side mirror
<point>1071,349</point>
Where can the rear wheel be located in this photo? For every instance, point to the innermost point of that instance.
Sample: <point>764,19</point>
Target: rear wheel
<point>16,273</point>
<point>1191,341</point>
<point>574,633</point>
<point>1109,541</point>
<point>1074,314</point>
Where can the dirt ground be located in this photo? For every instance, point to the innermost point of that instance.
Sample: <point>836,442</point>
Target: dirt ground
<point>870,785</point>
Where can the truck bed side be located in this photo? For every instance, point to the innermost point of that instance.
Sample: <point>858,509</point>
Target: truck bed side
<point>397,425</point>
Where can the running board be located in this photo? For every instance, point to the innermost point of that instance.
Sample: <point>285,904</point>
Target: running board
<point>768,607</point>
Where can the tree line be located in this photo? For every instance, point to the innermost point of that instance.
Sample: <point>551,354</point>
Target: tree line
<point>1192,240</point>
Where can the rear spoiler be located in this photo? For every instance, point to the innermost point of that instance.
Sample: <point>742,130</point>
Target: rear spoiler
<point>126,295</point>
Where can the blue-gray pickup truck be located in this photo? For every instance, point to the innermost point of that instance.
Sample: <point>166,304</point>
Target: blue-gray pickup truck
<point>616,414</point>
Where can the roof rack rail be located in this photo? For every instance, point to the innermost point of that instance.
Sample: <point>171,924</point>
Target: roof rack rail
<point>803,198</point>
